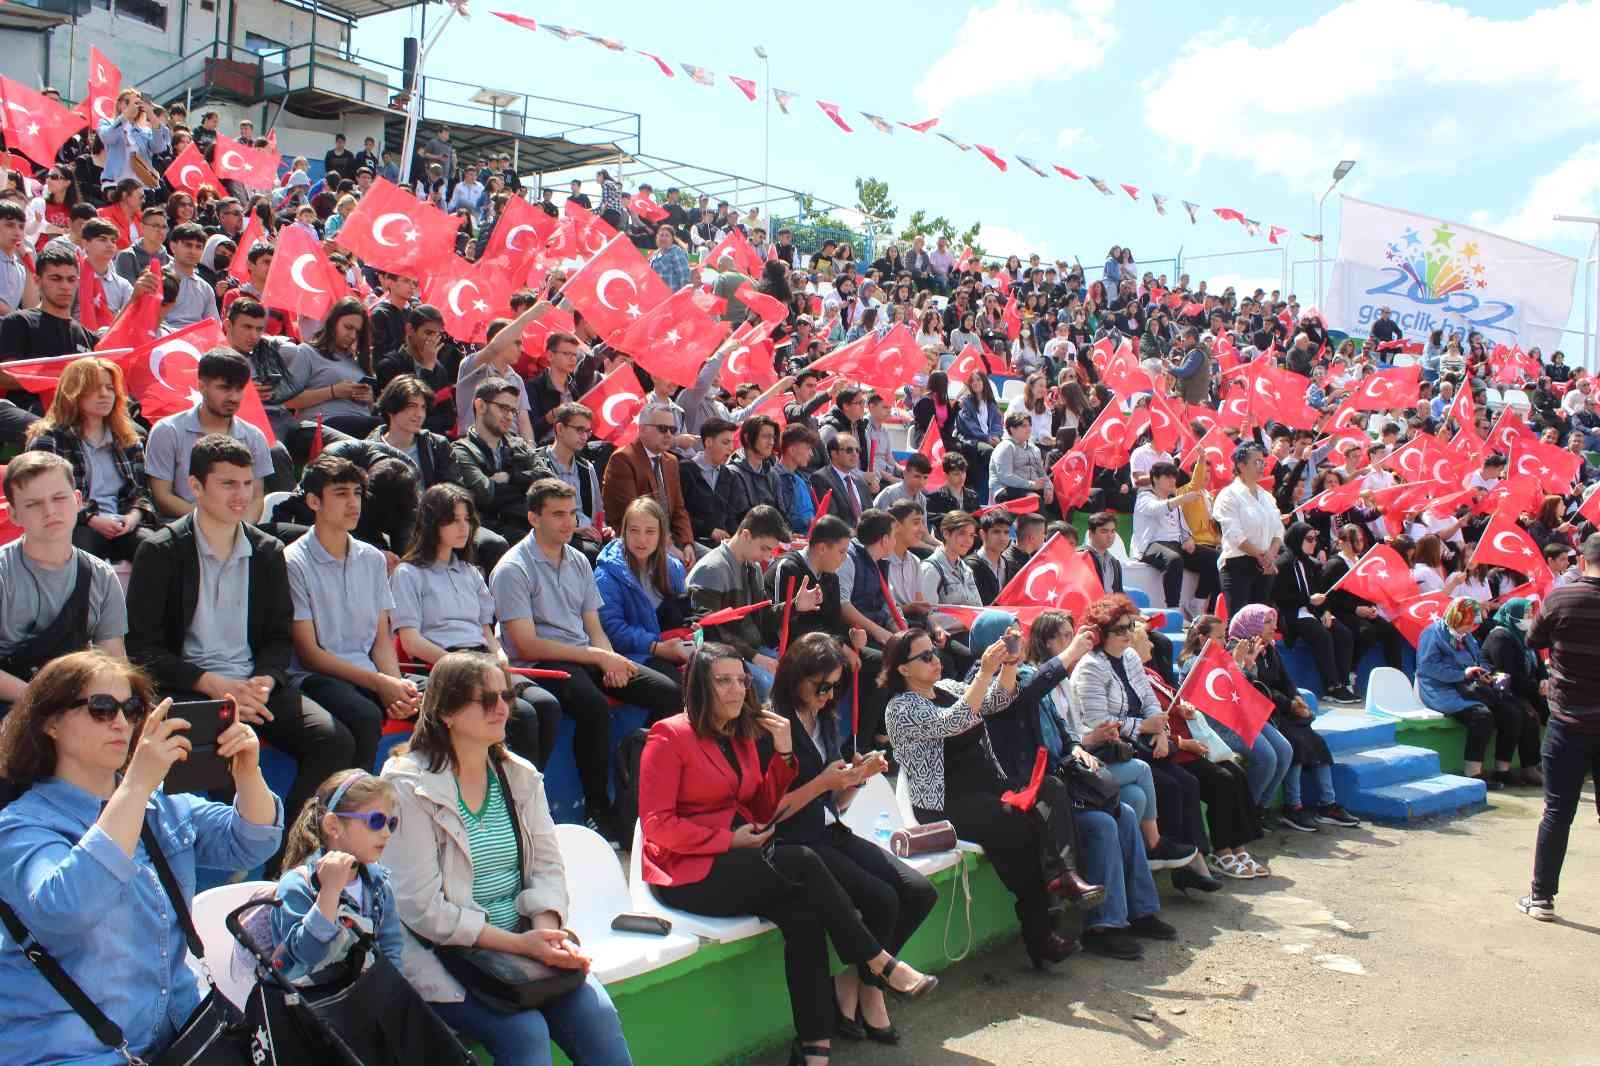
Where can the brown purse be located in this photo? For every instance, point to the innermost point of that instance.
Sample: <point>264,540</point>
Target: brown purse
<point>923,839</point>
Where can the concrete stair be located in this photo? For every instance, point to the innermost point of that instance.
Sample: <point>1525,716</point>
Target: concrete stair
<point>1377,778</point>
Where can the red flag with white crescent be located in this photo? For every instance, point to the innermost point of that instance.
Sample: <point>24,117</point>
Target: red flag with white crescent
<point>1056,576</point>
<point>616,400</point>
<point>1217,686</point>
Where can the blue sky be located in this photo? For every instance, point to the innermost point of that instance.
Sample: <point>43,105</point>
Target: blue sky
<point>1476,112</point>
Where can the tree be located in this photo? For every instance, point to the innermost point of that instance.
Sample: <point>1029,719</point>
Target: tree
<point>919,225</point>
<point>872,200</point>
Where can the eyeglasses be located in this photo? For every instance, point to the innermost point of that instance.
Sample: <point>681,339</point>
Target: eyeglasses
<point>924,657</point>
<point>582,430</point>
<point>488,699</point>
<point>374,820</point>
<point>827,688</point>
<point>103,708</point>
<point>667,428</point>
<point>507,408</point>
<point>733,681</point>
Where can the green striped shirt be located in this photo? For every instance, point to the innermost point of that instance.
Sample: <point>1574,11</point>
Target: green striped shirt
<point>492,840</point>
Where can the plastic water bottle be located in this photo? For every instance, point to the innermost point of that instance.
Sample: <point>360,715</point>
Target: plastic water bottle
<point>882,830</point>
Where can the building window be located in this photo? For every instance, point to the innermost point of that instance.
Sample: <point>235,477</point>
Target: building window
<point>149,12</point>
<point>260,45</point>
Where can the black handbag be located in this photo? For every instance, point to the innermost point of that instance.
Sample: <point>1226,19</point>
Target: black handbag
<point>505,982</point>
<point>215,1033</point>
<point>1091,790</point>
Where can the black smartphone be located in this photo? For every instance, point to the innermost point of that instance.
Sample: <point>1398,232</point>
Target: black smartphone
<point>650,924</point>
<point>1013,643</point>
<point>204,770</point>
<point>371,383</point>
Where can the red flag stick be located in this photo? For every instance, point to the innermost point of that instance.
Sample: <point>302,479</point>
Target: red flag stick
<point>788,608</point>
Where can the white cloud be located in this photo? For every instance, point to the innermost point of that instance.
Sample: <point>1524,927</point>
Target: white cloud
<point>1072,137</point>
<point>1001,241</point>
<point>1572,188</point>
<point>1404,86</point>
<point>1012,45</point>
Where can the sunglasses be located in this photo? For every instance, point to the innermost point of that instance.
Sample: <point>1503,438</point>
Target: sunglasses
<point>1122,630</point>
<point>489,699</point>
<point>924,656</point>
<point>103,708</point>
<point>827,688</point>
<point>374,820</point>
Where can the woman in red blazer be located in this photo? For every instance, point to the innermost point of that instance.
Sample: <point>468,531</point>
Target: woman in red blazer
<point>707,808</point>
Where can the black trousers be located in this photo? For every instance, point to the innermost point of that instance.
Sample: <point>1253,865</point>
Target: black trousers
<point>795,891</point>
<point>1226,792</point>
<point>1505,718</point>
<point>1569,757</point>
<point>874,698</point>
<point>584,696</point>
<point>112,549</point>
<point>1372,633</point>
<point>1178,804</point>
<point>1333,647</point>
<point>357,711</point>
<point>1010,841</point>
<point>319,744</point>
<point>1170,558</point>
<point>892,897</point>
<point>1244,583</point>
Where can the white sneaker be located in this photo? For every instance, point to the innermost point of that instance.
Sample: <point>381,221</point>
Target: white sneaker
<point>1541,910</point>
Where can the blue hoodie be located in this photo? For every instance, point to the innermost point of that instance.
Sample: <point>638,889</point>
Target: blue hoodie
<point>626,613</point>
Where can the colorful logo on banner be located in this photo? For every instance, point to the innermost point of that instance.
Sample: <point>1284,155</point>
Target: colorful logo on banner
<point>1443,269</point>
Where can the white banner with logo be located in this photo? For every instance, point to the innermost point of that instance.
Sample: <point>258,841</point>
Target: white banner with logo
<point>1434,274</point>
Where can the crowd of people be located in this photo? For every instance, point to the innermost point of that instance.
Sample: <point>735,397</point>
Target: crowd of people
<point>428,530</point>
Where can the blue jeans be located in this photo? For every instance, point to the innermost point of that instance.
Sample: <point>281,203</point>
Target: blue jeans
<point>583,1022</point>
<point>1321,788</point>
<point>1138,788</point>
<point>759,677</point>
<point>1113,855</point>
<point>1266,761</point>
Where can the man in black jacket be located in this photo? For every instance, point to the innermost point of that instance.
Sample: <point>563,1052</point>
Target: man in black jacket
<point>711,490</point>
<point>210,611</point>
<point>428,355</point>
<point>497,465</point>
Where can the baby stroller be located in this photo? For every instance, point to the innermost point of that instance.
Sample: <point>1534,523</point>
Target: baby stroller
<point>368,1016</point>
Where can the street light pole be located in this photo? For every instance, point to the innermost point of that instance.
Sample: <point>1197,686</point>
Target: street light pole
<point>1589,220</point>
<point>414,99</point>
<point>1345,166</point>
<point>766,137</point>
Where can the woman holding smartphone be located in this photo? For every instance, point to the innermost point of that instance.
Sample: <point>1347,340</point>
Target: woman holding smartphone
<point>892,897</point>
<point>707,802</point>
<point>75,864</point>
<point>331,374</point>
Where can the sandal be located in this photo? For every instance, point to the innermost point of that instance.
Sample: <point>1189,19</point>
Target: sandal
<point>1236,866</point>
<point>1256,867</point>
<point>799,1053</point>
<point>881,980</point>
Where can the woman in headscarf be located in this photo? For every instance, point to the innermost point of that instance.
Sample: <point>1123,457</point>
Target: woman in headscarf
<point>1297,592</point>
<point>1454,679</point>
<point>1251,635</point>
<point>214,261</point>
<point>1506,649</point>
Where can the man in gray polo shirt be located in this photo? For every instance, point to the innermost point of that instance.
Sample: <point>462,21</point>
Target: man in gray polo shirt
<point>549,610</point>
<point>344,656</point>
<point>196,298</point>
<point>223,376</point>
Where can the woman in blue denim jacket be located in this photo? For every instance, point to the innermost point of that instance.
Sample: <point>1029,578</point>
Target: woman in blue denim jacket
<point>75,872</point>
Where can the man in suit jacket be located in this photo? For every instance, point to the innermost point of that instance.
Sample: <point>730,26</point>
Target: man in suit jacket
<point>647,467</point>
<point>1102,531</point>
<point>842,477</point>
<point>210,615</point>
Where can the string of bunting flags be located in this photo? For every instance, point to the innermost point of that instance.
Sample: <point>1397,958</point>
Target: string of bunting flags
<point>835,113</point>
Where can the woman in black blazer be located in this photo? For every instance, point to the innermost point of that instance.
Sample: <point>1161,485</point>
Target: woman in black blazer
<point>935,407</point>
<point>893,898</point>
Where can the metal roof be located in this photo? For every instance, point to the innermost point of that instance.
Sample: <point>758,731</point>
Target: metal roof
<point>355,10</point>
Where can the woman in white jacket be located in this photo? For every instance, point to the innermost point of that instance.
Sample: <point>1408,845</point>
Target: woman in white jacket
<point>468,810</point>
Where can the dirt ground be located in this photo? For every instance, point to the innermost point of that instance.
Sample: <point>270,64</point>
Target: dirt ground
<point>1381,944</point>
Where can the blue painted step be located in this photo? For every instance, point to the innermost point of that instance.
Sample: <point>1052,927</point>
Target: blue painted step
<point>1354,732</point>
<point>1376,767</point>
<point>1417,799</point>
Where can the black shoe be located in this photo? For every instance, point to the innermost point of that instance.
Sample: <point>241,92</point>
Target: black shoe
<point>1298,819</point>
<point>849,1028</point>
<point>1152,928</point>
<point>1112,944</point>
<point>1343,694</point>
<point>1333,814</point>
<point>799,1053</point>
<point>887,1035</point>
<point>1184,878</point>
<point>1490,781</point>
<point>1167,855</point>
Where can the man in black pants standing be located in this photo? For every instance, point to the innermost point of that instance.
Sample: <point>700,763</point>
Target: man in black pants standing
<point>1566,624</point>
<point>210,617</point>
<point>549,611</point>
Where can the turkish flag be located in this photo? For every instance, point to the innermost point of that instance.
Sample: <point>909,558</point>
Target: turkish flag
<point>1167,430</point>
<point>1072,476</point>
<point>1588,510</point>
<point>190,171</point>
<point>884,363</point>
<point>521,231</point>
<point>675,338</point>
<point>163,376</point>
<point>1056,577</point>
<point>580,234</point>
<point>750,361</point>
<point>768,309</point>
<point>1398,502</point>
<point>644,208</point>
<point>1384,390</point>
<point>1338,440</point>
<point>1233,413</point>
<point>1219,688</point>
<point>932,449</point>
<point>516,20</point>
<point>254,234</point>
<point>393,231</point>
<point>254,168</point>
<point>1461,408</point>
<point>991,155</point>
<point>1002,281</point>
<point>1507,430</point>
<point>1417,458</point>
<point>1203,416</point>
<point>139,321</point>
<point>1467,445</point>
<point>93,309</point>
<point>536,337</point>
<point>1504,543</point>
<point>971,359</point>
<point>744,256</point>
<point>1021,505</point>
<point>1123,374</point>
<point>39,376</point>
<point>1011,318</point>
<point>1381,576</point>
<point>616,400</point>
<point>1512,496</point>
<point>468,296</point>
<point>614,289</point>
<point>1108,442</point>
<point>1336,500</point>
<point>731,614</point>
<point>1345,416</point>
<point>302,280</point>
<point>1216,447</point>
<point>1280,395</point>
<point>34,124</point>
<point>1556,468</point>
<point>105,81</point>
<point>832,111</point>
<point>1413,615</point>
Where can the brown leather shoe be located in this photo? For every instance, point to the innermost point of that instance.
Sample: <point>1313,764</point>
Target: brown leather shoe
<point>1076,891</point>
<point>1056,947</point>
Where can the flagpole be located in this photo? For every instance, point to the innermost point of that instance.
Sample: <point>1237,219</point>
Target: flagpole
<point>766,141</point>
<point>414,100</point>
<point>1595,222</point>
